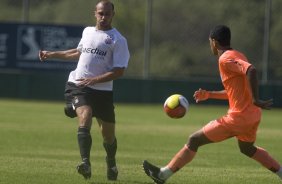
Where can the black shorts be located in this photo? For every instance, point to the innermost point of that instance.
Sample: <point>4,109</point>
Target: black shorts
<point>101,102</point>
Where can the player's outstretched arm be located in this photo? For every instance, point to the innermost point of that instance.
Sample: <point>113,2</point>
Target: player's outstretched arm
<point>219,95</point>
<point>72,54</point>
<point>253,81</point>
<point>202,95</point>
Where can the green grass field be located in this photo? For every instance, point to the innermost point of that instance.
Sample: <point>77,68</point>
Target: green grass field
<point>38,146</point>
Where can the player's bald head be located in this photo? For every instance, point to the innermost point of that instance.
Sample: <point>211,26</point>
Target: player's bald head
<point>105,3</point>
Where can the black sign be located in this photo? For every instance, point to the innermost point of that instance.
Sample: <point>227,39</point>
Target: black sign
<point>20,44</point>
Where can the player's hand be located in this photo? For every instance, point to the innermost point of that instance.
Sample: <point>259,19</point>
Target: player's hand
<point>264,104</point>
<point>86,82</point>
<point>43,55</point>
<point>201,95</point>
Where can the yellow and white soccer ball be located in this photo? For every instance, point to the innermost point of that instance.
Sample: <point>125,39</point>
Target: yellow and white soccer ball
<point>176,106</point>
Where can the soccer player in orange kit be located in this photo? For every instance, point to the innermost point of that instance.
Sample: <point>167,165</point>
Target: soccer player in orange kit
<point>239,78</point>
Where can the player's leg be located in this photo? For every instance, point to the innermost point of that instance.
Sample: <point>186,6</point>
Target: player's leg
<point>183,157</point>
<point>76,105</point>
<point>103,109</point>
<point>214,131</point>
<point>110,146</point>
<point>84,114</point>
<point>187,153</point>
<point>261,156</point>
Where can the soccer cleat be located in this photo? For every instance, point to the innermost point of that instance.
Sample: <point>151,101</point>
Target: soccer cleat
<point>84,169</point>
<point>153,172</point>
<point>112,173</point>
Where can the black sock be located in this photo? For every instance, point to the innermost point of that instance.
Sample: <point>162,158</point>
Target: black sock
<point>85,143</point>
<point>111,150</point>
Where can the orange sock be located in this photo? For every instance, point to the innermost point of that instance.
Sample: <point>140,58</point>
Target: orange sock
<point>266,160</point>
<point>184,156</point>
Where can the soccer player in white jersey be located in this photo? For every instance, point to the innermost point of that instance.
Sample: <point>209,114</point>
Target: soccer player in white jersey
<point>102,56</point>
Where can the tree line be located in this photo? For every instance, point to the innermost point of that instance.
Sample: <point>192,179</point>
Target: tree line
<point>179,35</point>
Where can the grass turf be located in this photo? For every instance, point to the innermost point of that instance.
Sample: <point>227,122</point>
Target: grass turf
<point>38,146</point>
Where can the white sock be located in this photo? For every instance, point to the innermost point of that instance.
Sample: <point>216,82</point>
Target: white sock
<point>165,173</point>
<point>279,173</point>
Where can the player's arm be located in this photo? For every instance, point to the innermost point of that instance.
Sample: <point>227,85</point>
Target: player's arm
<point>72,54</point>
<point>253,81</point>
<point>201,95</point>
<point>108,76</point>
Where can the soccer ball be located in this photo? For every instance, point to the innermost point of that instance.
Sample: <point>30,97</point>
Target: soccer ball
<point>176,106</point>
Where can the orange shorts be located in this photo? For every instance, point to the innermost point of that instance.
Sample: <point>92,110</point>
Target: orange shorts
<point>243,127</point>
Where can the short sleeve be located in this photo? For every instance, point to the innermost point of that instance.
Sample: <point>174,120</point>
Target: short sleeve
<point>238,66</point>
<point>121,54</point>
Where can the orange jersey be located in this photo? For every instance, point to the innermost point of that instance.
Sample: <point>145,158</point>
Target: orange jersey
<point>243,118</point>
<point>233,67</point>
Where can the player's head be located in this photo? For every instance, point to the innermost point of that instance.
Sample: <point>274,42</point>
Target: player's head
<point>104,12</point>
<point>220,37</point>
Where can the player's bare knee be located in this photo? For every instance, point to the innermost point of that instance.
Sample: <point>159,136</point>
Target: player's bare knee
<point>197,139</point>
<point>84,117</point>
<point>107,130</point>
<point>194,142</point>
<point>108,136</point>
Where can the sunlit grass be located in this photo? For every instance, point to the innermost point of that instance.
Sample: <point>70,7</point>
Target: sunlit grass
<point>38,145</point>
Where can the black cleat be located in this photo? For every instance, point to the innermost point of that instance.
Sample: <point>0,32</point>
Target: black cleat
<point>153,172</point>
<point>112,173</point>
<point>84,169</point>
